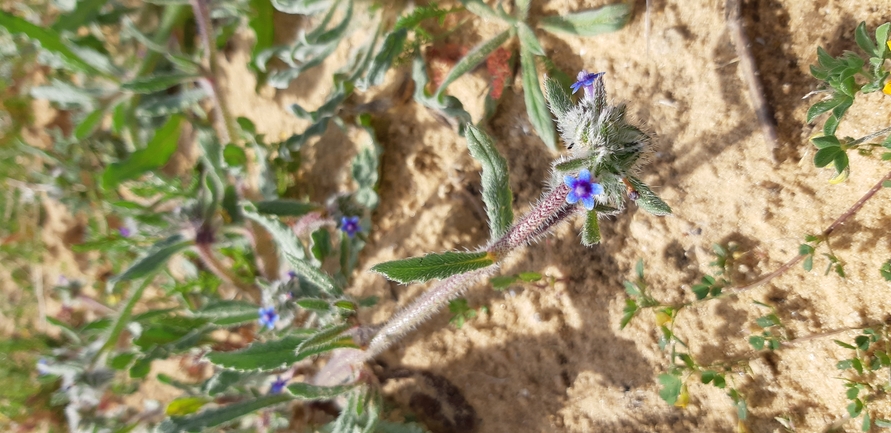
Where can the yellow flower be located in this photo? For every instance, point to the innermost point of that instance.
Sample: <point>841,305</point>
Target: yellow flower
<point>887,89</point>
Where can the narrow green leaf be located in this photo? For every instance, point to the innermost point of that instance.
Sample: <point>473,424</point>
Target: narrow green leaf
<point>228,313</point>
<point>383,60</point>
<point>648,200</point>
<point>884,423</point>
<point>261,355</point>
<point>186,405</point>
<point>882,47</point>
<point>366,167</point>
<point>536,108</point>
<point>321,244</point>
<point>305,391</point>
<point>432,266</point>
<point>261,23</point>
<point>156,153</point>
<point>313,304</point>
<point>156,83</point>
<point>301,7</point>
<point>529,277</point>
<point>89,124</point>
<point>497,194</point>
<point>528,39</point>
<point>157,256</point>
<point>502,282</point>
<point>473,58</point>
<point>840,161</point>
<point>863,40</point>
<point>49,40</point>
<point>593,22</point>
<point>480,9</point>
<point>591,233</point>
<point>558,98</point>
<point>162,104</point>
<point>572,165</point>
<point>85,12</point>
<point>522,9</point>
<point>222,414</point>
<point>285,207</point>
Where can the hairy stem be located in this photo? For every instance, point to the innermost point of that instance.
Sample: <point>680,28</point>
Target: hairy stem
<point>530,226</point>
<point>828,231</point>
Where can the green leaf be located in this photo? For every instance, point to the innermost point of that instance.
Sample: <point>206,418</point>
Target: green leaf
<point>502,282</point>
<point>593,22</point>
<point>261,23</point>
<point>50,41</point>
<point>186,405</point>
<point>826,155</point>
<point>156,153</point>
<point>884,423</point>
<point>826,141</point>
<point>529,277</point>
<point>321,244</point>
<point>302,7</point>
<point>156,83</point>
<point>366,167</point>
<point>305,391</point>
<point>473,58</point>
<point>536,108</point>
<point>629,311</point>
<point>432,266</point>
<point>292,249</point>
<point>228,313</point>
<point>234,155</point>
<point>223,381</point>
<point>757,342</point>
<point>495,181</point>
<point>85,12</point>
<point>855,408</point>
<point>222,414</point>
<point>591,232</point>
<point>162,104</point>
<point>808,263</point>
<point>313,304</point>
<point>863,40</point>
<point>825,105</point>
<point>767,321</point>
<point>157,256</point>
<point>89,124</point>
<point>383,60</point>
<point>481,9</point>
<point>840,161</point>
<point>882,42</point>
<point>285,207</point>
<point>261,355</point>
<point>558,99</point>
<point>648,201</point>
<point>671,387</point>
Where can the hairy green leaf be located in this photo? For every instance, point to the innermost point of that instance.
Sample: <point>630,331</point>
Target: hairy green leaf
<point>648,200</point>
<point>536,108</point>
<point>593,22</point>
<point>157,256</point>
<point>389,50</point>
<point>305,391</point>
<point>432,266</point>
<point>156,83</point>
<point>302,7</point>
<point>591,233</point>
<point>285,207</point>
<point>558,98</point>
<point>261,355</point>
<point>495,181</point>
<point>228,313</point>
<point>49,40</point>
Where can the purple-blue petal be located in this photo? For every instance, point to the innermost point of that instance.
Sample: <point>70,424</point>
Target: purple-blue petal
<point>569,181</point>
<point>572,197</point>
<point>596,189</point>
<point>585,175</point>
<point>588,202</point>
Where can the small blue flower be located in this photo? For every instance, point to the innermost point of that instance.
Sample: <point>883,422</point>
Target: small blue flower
<point>42,367</point>
<point>292,274</point>
<point>350,225</point>
<point>586,81</point>
<point>125,232</point>
<point>582,189</point>
<point>268,317</point>
<point>278,385</point>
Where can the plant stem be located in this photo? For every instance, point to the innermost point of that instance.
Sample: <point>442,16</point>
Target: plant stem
<point>832,227</point>
<point>226,274</point>
<point>869,137</point>
<point>225,126</point>
<point>532,224</point>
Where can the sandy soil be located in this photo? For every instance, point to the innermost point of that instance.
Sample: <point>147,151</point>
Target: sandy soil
<point>554,358</point>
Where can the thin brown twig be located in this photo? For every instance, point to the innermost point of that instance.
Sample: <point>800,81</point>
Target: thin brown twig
<point>751,76</point>
<point>828,231</point>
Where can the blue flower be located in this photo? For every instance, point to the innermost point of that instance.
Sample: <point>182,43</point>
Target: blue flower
<point>582,189</point>
<point>586,81</point>
<point>42,367</point>
<point>125,232</point>
<point>350,225</point>
<point>278,385</point>
<point>268,317</point>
